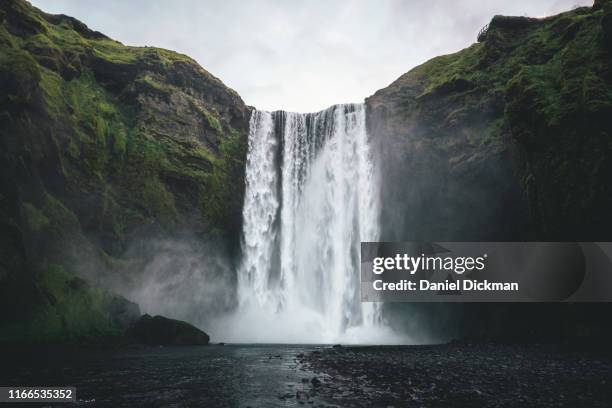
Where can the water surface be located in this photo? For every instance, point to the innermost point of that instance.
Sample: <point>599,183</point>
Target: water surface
<point>210,376</point>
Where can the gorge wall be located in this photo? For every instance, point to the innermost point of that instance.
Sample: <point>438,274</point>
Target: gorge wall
<point>119,165</point>
<point>509,139</point>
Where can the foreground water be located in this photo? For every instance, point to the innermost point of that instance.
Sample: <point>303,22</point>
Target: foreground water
<point>453,375</point>
<point>211,376</point>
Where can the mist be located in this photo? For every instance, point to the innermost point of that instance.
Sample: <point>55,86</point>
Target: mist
<point>186,280</point>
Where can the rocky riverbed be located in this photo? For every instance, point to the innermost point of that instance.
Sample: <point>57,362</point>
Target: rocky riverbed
<point>455,375</point>
<point>459,375</point>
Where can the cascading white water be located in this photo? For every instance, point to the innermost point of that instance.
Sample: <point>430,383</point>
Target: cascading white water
<point>311,197</point>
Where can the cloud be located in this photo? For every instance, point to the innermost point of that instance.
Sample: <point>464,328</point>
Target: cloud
<point>301,55</point>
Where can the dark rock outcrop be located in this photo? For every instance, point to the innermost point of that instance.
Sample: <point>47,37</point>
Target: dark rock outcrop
<point>160,330</point>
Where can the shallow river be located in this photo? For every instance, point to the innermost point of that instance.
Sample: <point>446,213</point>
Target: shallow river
<point>211,376</point>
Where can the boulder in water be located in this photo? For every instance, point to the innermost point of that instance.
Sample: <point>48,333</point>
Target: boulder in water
<point>160,330</point>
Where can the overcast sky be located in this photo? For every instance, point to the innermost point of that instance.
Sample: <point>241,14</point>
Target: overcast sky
<point>301,55</point>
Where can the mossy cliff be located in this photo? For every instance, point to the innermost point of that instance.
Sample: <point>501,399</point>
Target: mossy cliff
<point>102,145</point>
<point>508,139</point>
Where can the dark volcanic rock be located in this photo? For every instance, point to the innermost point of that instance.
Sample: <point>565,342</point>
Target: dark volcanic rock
<point>160,330</point>
<point>123,312</point>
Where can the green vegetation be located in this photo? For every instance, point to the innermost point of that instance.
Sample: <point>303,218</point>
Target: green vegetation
<point>71,310</point>
<point>36,219</point>
<point>211,120</point>
<point>217,201</point>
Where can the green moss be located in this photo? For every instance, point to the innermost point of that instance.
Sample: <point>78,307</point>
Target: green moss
<point>40,45</point>
<point>73,310</point>
<point>118,53</point>
<point>35,218</point>
<point>493,133</point>
<point>50,217</point>
<point>171,57</point>
<point>6,39</point>
<point>20,75</point>
<point>57,212</point>
<point>102,123</point>
<point>51,84</point>
<point>211,117</point>
<point>217,198</point>
<point>31,22</point>
<point>596,95</point>
<point>114,51</point>
<point>158,199</point>
<point>153,84</point>
<point>119,141</point>
<point>450,68</point>
<point>213,122</point>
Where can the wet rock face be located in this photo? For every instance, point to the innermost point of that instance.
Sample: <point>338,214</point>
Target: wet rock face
<point>124,312</point>
<point>447,173</point>
<point>160,330</point>
<point>505,140</point>
<point>606,25</point>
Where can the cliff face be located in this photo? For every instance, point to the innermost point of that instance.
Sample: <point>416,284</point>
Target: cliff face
<point>508,139</point>
<point>104,145</point>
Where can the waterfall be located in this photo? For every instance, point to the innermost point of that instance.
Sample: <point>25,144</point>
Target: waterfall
<point>311,197</point>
